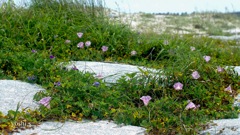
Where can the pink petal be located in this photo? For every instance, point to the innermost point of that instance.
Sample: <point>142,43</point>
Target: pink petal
<point>192,48</point>
<point>195,75</point>
<point>145,99</point>
<point>229,89</point>
<point>191,105</point>
<point>220,69</point>
<point>45,101</point>
<point>178,86</point>
<point>80,45</point>
<point>80,34</point>
<point>207,58</point>
<point>133,53</point>
<point>88,43</point>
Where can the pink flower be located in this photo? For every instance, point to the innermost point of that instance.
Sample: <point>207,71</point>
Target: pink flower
<point>99,76</point>
<point>192,48</point>
<point>195,75</point>
<point>220,69</point>
<point>191,105</point>
<point>228,89</point>
<point>68,41</point>
<point>45,101</point>
<point>80,34</point>
<point>88,43</point>
<point>74,67</point>
<point>133,53</point>
<point>145,99</point>
<point>207,58</point>
<point>80,45</point>
<point>104,48</point>
<point>178,86</point>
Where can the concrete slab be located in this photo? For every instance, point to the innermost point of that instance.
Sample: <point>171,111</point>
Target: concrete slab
<point>13,92</point>
<point>109,71</point>
<point>234,37</point>
<point>83,128</point>
<point>223,127</point>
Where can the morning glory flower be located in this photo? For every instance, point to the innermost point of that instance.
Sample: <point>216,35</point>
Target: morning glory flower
<point>31,78</point>
<point>178,86</point>
<point>96,84</point>
<point>88,43</point>
<point>192,48</point>
<point>34,51</point>
<point>195,75</point>
<point>99,76</point>
<point>80,45</point>
<point>191,105</point>
<point>80,34</point>
<point>51,57</point>
<point>133,53</point>
<point>145,99</point>
<point>57,83</point>
<point>228,89</point>
<point>207,58</point>
<point>45,101</point>
<point>68,41</point>
<point>104,48</point>
<point>74,67</point>
<point>220,69</point>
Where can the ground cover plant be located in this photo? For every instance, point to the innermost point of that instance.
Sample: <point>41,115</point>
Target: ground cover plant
<point>37,43</point>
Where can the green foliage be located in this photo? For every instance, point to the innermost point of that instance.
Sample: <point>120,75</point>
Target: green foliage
<point>147,15</point>
<point>29,36</point>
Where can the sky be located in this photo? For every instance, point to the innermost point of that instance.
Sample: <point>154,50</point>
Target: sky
<point>175,6</point>
<point>172,6</point>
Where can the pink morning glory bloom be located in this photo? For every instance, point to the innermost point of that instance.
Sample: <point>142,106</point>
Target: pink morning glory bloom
<point>192,48</point>
<point>207,58</point>
<point>68,41</point>
<point>220,69</point>
<point>88,43</point>
<point>178,86</point>
<point>99,76</point>
<point>80,34</point>
<point>229,89</point>
<point>80,45</point>
<point>195,75</point>
<point>74,67</point>
<point>145,99</point>
<point>45,101</point>
<point>104,48</point>
<point>191,105</point>
<point>133,53</point>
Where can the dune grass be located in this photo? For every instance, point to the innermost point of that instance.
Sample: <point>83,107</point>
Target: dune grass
<point>37,39</point>
<point>206,23</point>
